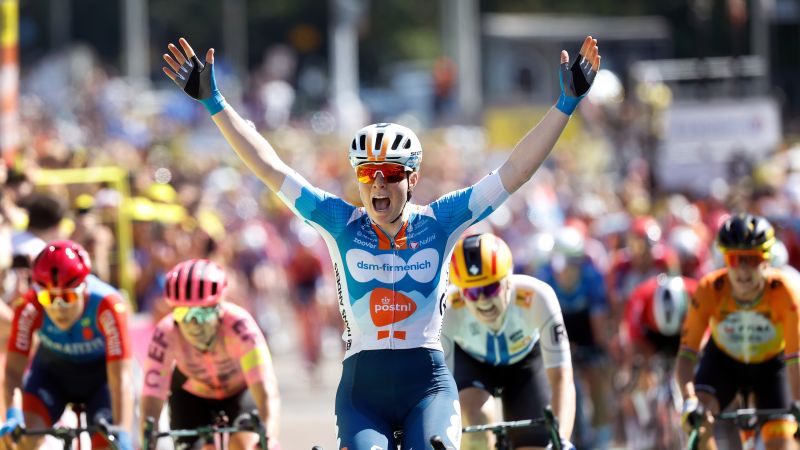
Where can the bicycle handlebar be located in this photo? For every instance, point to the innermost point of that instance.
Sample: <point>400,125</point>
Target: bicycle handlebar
<point>107,430</point>
<point>744,418</point>
<point>251,424</point>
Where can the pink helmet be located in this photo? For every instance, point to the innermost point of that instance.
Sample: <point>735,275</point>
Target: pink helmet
<point>196,282</point>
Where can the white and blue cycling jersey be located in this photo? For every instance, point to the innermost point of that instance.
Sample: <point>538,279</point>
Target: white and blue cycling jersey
<point>391,289</point>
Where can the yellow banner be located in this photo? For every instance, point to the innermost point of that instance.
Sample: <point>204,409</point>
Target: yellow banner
<point>506,125</point>
<point>9,22</point>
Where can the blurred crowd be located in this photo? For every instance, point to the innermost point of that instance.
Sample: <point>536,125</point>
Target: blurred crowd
<point>190,197</point>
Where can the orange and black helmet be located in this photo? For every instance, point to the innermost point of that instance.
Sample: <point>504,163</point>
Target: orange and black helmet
<point>479,260</point>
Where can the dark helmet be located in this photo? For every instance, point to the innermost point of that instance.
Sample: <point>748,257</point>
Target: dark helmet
<point>746,232</point>
<point>61,265</point>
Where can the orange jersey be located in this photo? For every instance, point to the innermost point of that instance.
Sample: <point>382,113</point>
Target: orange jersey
<point>750,333</point>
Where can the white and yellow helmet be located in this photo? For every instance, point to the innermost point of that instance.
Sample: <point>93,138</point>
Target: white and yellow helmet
<point>386,142</point>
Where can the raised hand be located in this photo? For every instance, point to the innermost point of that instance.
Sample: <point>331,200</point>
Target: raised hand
<point>576,80</point>
<point>193,76</point>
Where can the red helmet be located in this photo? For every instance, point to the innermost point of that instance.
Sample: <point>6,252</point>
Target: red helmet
<point>61,265</point>
<point>196,282</point>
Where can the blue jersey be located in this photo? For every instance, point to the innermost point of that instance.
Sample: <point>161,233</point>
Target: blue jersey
<point>391,289</point>
<point>99,334</point>
<point>587,295</point>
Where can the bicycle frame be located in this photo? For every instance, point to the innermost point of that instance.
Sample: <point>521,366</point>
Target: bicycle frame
<point>743,419</point>
<point>207,432</point>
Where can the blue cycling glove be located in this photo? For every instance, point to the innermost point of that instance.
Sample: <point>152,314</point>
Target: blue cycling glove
<point>124,440</point>
<point>197,80</point>
<point>575,83</point>
<point>14,419</point>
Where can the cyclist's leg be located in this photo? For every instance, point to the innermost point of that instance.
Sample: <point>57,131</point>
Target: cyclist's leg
<point>526,391</point>
<point>770,389</point>
<point>99,407</point>
<point>235,406</point>
<point>42,404</point>
<point>438,412</point>
<point>598,381</point>
<point>188,411</point>
<point>717,381</point>
<point>474,381</point>
<point>359,425</point>
<point>477,408</point>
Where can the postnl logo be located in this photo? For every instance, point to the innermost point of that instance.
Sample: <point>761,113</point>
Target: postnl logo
<point>387,307</point>
<point>389,268</point>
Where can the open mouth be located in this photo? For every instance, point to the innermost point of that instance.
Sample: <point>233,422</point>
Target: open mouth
<point>381,204</point>
<point>488,311</point>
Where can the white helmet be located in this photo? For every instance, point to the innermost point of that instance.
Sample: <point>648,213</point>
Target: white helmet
<point>670,303</point>
<point>386,142</point>
<point>569,242</point>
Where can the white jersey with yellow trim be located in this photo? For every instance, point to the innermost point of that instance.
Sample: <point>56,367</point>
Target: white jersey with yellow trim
<point>533,315</point>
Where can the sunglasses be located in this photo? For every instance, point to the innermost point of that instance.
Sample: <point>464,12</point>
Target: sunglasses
<point>47,297</point>
<point>199,314</point>
<point>744,258</point>
<point>474,293</point>
<point>392,173</point>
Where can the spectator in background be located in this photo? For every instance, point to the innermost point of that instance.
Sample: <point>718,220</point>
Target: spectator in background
<point>45,212</point>
<point>95,237</point>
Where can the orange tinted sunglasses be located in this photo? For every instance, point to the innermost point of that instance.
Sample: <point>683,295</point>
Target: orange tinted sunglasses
<point>47,297</point>
<point>392,173</point>
<point>748,258</point>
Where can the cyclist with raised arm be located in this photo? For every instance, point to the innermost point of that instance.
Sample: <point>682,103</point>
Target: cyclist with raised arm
<point>84,352</point>
<point>389,255</point>
<point>751,311</point>
<point>503,335</point>
<point>206,357</point>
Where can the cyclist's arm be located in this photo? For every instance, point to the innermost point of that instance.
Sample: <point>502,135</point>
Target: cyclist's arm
<point>265,395</point>
<point>120,381</point>
<point>791,326</point>
<point>532,150</point>
<point>253,149</point>
<point>14,370</point>
<point>28,317</point>
<point>151,407</point>
<point>545,314</point>
<point>112,319</point>
<point>694,326</point>
<point>563,404</point>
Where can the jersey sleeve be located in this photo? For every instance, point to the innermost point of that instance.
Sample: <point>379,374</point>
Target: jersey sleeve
<point>112,320</point>
<point>247,345</point>
<point>315,205</point>
<point>458,210</point>
<point>28,317</point>
<point>545,315</point>
<point>697,317</point>
<point>160,361</point>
